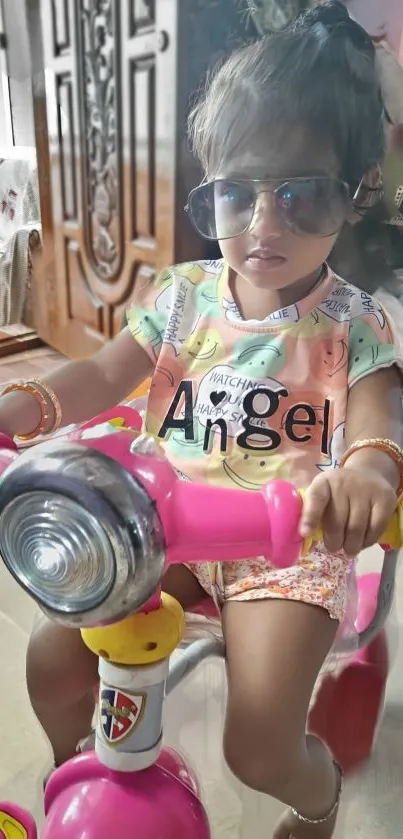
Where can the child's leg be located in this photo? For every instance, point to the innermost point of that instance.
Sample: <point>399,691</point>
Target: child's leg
<point>62,672</point>
<point>275,649</point>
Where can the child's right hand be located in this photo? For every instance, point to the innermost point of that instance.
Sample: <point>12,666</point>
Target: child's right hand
<point>354,504</point>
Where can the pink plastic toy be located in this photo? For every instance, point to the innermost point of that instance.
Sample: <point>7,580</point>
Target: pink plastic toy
<point>107,496</point>
<point>348,707</point>
<point>16,823</point>
<point>161,801</point>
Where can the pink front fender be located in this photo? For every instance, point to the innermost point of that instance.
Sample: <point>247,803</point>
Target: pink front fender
<point>84,800</point>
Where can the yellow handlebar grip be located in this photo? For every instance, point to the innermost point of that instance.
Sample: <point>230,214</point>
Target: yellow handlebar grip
<point>310,541</point>
<point>392,537</point>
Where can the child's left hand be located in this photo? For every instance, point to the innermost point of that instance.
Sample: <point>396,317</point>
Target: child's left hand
<point>353,505</point>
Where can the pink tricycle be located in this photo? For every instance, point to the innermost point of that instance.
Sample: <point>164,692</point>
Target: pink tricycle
<point>88,526</point>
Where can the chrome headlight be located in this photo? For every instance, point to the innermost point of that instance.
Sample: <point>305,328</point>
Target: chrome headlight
<point>80,534</point>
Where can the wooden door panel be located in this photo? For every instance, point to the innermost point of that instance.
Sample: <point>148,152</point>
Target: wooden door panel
<point>114,170</point>
<point>102,156</point>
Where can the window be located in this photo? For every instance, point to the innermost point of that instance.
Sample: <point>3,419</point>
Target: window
<point>17,134</point>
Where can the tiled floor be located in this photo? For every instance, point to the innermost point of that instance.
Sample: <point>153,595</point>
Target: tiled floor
<point>373,803</point>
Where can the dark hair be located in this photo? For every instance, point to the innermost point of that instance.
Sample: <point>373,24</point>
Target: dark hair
<point>318,73</point>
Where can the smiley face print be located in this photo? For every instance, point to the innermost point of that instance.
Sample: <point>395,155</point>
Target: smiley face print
<point>365,350</point>
<point>202,350</point>
<point>259,356</point>
<point>251,469</point>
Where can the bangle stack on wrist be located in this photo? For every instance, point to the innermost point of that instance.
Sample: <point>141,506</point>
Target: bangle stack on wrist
<point>49,404</point>
<point>386,446</point>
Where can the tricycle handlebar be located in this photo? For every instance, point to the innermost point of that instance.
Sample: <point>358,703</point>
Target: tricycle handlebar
<point>90,523</point>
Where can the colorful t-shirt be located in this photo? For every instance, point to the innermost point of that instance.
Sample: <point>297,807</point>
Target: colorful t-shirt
<point>238,403</point>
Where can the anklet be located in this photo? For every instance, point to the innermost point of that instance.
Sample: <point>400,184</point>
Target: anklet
<point>331,812</point>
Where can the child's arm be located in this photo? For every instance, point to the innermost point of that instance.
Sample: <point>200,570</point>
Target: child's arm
<point>85,388</point>
<point>374,409</point>
<point>355,503</point>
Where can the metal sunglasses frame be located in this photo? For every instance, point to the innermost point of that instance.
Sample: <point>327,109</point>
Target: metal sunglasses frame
<point>373,195</point>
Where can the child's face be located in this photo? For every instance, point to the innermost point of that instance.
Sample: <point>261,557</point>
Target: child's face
<point>268,254</point>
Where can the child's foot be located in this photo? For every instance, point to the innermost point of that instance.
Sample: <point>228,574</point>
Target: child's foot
<point>87,744</point>
<point>290,827</point>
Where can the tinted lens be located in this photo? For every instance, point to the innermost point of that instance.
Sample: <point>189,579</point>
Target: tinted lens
<point>313,206</point>
<point>234,207</point>
<point>222,209</point>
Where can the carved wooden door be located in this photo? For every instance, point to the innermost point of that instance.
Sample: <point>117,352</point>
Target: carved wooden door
<point>112,81</point>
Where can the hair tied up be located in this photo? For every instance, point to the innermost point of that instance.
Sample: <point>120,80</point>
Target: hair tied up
<point>328,14</point>
<point>335,19</point>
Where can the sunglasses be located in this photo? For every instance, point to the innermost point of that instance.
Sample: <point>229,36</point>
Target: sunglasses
<point>315,206</point>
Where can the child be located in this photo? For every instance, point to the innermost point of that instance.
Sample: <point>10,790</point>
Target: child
<point>263,365</point>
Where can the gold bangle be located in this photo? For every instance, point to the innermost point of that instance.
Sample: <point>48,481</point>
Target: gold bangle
<point>53,400</point>
<point>386,446</point>
<point>25,387</point>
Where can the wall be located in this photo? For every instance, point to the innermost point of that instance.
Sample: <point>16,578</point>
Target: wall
<point>374,13</point>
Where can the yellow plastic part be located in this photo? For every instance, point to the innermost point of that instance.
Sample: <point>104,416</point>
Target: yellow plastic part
<point>143,638</point>
<point>10,828</point>
<point>392,537</point>
<point>141,390</point>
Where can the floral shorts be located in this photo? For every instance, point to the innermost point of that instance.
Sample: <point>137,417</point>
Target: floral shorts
<point>319,579</point>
